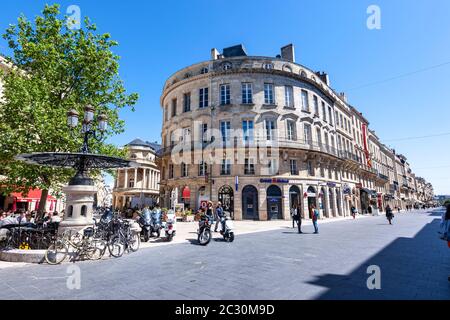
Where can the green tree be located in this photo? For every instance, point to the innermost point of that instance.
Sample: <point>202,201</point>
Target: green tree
<point>55,69</point>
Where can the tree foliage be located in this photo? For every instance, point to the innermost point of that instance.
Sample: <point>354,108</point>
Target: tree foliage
<point>55,69</point>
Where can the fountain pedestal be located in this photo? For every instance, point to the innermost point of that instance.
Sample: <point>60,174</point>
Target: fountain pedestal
<point>79,207</point>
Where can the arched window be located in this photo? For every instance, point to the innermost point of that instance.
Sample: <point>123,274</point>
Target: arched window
<point>268,66</point>
<point>227,66</point>
<point>84,211</point>
<point>287,68</point>
<point>70,211</point>
<point>303,74</point>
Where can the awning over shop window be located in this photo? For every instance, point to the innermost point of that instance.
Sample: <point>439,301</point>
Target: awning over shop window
<point>33,195</point>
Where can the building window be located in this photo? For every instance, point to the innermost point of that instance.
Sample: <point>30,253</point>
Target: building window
<point>227,66</point>
<point>310,168</point>
<point>324,112</point>
<point>247,93</point>
<point>305,103</point>
<point>225,95</point>
<point>187,102</point>
<point>270,129</point>
<point>225,127</point>
<point>247,128</point>
<point>342,121</point>
<point>131,183</point>
<point>268,94</point>
<point>273,167</point>
<point>225,168</point>
<point>289,96</point>
<point>307,132</point>
<point>204,132</point>
<point>166,113</point>
<point>184,169</point>
<point>293,167</point>
<point>319,137</point>
<point>170,171</point>
<point>336,117</point>
<point>249,166</point>
<point>291,132</point>
<point>202,168</point>
<point>268,66</point>
<point>316,105</point>
<point>330,115</point>
<point>203,98</point>
<point>174,107</point>
<point>204,70</point>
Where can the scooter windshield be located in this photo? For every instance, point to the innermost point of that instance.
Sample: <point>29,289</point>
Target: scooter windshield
<point>146,214</point>
<point>156,216</point>
<point>107,217</point>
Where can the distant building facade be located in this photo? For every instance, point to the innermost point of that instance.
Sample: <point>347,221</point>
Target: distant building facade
<point>139,186</point>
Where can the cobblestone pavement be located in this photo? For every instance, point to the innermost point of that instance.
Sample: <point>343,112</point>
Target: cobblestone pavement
<point>276,264</point>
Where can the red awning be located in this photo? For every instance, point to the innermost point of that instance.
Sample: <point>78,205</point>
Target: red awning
<point>34,194</point>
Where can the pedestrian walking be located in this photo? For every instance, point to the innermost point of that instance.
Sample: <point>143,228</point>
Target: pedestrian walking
<point>315,217</point>
<point>389,214</point>
<point>219,215</point>
<point>445,228</point>
<point>299,220</point>
<point>294,213</point>
<point>353,209</point>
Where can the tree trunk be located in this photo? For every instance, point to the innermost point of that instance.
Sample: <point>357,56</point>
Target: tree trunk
<point>42,203</point>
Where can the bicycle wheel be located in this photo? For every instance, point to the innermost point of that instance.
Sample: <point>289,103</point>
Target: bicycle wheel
<point>56,252</point>
<point>97,249</point>
<point>134,242</point>
<point>116,246</point>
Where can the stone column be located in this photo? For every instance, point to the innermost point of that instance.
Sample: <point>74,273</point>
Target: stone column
<point>305,203</point>
<point>286,202</point>
<point>262,202</point>
<point>135,177</point>
<point>125,181</point>
<point>144,178</point>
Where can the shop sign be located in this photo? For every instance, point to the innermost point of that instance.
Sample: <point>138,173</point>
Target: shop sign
<point>274,180</point>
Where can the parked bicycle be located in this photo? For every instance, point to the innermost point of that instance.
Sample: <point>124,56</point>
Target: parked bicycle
<point>78,245</point>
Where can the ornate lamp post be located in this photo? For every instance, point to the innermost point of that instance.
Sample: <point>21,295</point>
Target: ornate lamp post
<point>87,127</point>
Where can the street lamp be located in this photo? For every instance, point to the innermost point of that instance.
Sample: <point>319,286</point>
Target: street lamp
<point>87,128</point>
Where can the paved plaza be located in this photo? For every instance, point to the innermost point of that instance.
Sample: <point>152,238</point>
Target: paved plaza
<point>273,264</point>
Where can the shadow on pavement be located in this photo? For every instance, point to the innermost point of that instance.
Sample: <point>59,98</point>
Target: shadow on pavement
<point>411,268</point>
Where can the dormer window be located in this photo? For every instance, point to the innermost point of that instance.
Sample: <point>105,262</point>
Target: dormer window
<point>303,74</point>
<point>227,66</point>
<point>268,66</point>
<point>204,70</point>
<point>187,75</point>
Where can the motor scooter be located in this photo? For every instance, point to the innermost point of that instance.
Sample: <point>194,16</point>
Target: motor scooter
<point>155,223</point>
<point>145,224</point>
<point>169,225</point>
<point>227,229</point>
<point>204,230</point>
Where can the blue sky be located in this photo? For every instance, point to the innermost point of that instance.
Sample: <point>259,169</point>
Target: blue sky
<point>158,38</point>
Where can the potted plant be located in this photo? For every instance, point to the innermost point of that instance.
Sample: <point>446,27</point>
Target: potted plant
<point>188,216</point>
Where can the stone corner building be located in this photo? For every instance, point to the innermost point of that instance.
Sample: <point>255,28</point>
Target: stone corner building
<point>138,187</point>
<point>262,134</point>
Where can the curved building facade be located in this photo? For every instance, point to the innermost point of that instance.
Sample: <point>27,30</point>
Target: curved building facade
<point>262,134</point>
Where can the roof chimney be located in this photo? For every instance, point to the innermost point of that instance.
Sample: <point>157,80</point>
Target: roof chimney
<point>214,54</point>
<point>288,53</point>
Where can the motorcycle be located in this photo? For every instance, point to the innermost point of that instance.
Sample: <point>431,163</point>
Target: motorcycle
<point>155,223</point>
<point>227,229</point>
<point>169,225</point>
<point>204,230</point>
<point>145,224</point>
